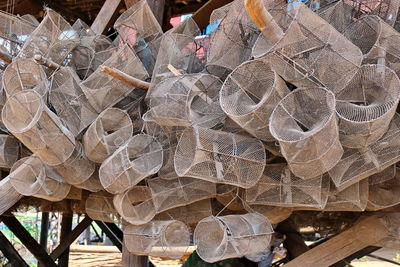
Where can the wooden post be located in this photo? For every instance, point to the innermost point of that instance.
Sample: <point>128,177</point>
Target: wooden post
<point>129,259</point>
<point>108,13</point>
<point>44,230</point>
<point>66,227</point>
<point>10,252</point>
<point>112,232</point>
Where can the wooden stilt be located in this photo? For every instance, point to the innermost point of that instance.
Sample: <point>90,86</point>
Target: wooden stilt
<point>66,227</point>
<point>10,252</point>
<point>44,231</point>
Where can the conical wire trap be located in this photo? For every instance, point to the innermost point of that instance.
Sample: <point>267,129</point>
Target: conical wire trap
<point>111,129</point>
<point>69,101</point>
<point>8,195</point>
<point>137,159</point>
<point>181,191</point>
<point>158,238</point>
<point>338,14</point>
<point>356,165</point>
<point>303,53</point>
<point>9,151</point>
<point>135,205</point>
<point>304,123</point>
<point>139,28</point>
<point>30,177</point>
<point>249,95</point>
<point>366,105</point>
<point>24,74</point>
<point>28,118</point>
<point>99,206</point>
<point>185,100</point>
<point>232,41</point>
<point>232,236</point>
<point>219,157</point>
<point>102,90</point>
<point>279,187</point>
<point>353,198</point>
<point>386,9</point>
<point>377,41</point>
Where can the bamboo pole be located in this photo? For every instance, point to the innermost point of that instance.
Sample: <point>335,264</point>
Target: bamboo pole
<point>123,77</point>
<point>46,62</point>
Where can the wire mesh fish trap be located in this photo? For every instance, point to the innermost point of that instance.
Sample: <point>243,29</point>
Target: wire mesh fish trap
<point>99,206</point>
<point>304,123</point>
<point>386,9</point>
<point>181,191</point>
<point>338,13</point>
<point>185,100</point>
<point>24,74</point>
<point>92,184</point>
<point>69,101</point>
<point>82,29</point>
<point>9,151</point>
<point>111,129</point>
<point>249,95</point>
<point>139,28</point>
<point>53,39</point>
<point>30,177</point>
<point>8,195</point>
<point>387,174</point>
<point>28,118</point>
<point>158,238</point>
<point>232,236</point>
<point>279,187</point>
<point>377,41</point>
<point>137,159</point>
<point>353,198</point>
<point>366,105</point>
<point>103,91</point>
<point>219,157</point>
<point>302,54</point>
<point>232,41</point>
<point>229,197</point>
<point>135,205</point>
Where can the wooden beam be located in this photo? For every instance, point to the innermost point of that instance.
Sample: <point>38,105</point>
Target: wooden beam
<point>106,16</point>
<point>112,232</point>
<point>125,78</point>
<point>27,240</point>
<point>10,252</point>
<point>69,239</point>
<point>202,16</point>
<point>66,227</point>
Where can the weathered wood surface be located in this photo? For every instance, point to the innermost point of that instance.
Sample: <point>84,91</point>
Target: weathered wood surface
<point>125,78</point>
<point>106,16</point>
<point>10,252</point>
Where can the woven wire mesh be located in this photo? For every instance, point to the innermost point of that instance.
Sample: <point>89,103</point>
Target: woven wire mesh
<point>219,157</point>
<point>111,129</point>
<point>232,236</point>
<point>279,187</point>
<point>338,13</point>
<point>137,159</point>
<point>387,174</point>
<point>352,198</point>
<point>82,29</point>
<point>69,101</point>
<point>158,238</point>
<point>92,184</point>
<point>28,118</point>
<point>181,191</point>
<point>9,151</point>
<point>185,100</point>
<point>99,206</point>
<point>304,123</point>
<point>135,205</point>
<point>8,195</point>
<point>366,105</point>
<point>249,95</point>
<point>229,197</point>
<point>386,9</point>
<point>103,91</point>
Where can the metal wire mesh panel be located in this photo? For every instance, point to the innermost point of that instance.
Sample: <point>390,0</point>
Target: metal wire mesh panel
<point>219,157</point>
<point>99,206</point>
<point>137,159</point>
<point>307,48</point>
<point>158,238</point>
<point>8,195</point>
<point>353,198</point>
<point>338,14</point>
<point>304,123</point>
<point>181,191</point>
<point>24,74</point>
<point>30,178</point>
<point>140,29</point>
<point>135,205</point>
<point>103,91</point>
<point>232,236</point>
<point>69,101</point>
<point>232,41</point>
<point>185,100</point>
<point>366,105</point>
<point>82,29</point>
<point>28,118</point>
<point>249,95</point>
<point>386,9</point>
<point>111,129</point>
<point>53,39</point>
<point>9,151</point>
<point>387,174</point>
<point>279,187</point>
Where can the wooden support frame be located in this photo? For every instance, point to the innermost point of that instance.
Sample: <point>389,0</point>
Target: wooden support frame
<point>11,253</point>
<point>112,232</point>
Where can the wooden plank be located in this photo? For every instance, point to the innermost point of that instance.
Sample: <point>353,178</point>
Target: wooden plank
<point>202,16</point>
<point>74,193</point>
<point>44,230</point>
<point>10,252</point>
<point>106,16</point>
<point>27,240</point>
<point>66,227</point>
<point>71,237</point>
